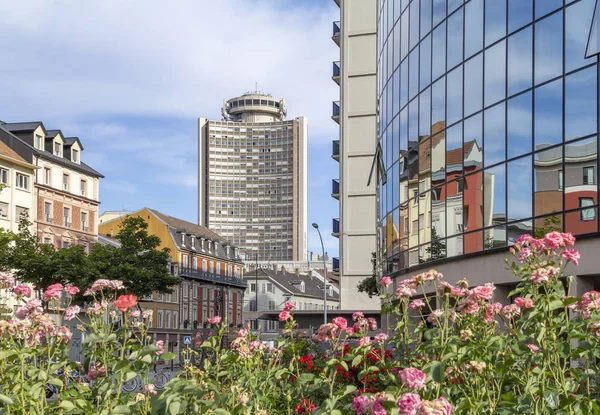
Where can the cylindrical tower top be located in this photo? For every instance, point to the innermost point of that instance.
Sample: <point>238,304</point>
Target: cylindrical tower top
<point>254,107</point>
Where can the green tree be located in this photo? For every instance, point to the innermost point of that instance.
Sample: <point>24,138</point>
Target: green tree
<point>369,284</point>
<point>551,224</point>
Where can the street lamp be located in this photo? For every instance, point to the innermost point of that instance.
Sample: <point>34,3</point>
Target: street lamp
<point>324,275</point>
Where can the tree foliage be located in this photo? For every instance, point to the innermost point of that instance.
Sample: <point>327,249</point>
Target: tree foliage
<point>369,284</point>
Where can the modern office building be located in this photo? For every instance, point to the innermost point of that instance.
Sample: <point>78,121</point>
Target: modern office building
<point>253,178</point>
<point>356,113</point>
<point>488,127</point>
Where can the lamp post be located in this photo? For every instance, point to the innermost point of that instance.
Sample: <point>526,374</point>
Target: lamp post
<point>324,276</point>
<point>256,285</point>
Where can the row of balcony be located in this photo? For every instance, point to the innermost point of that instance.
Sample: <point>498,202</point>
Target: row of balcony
<point>336,266</point>
<point>335,153</point>
<point>209,276</point>
<point>336,228</point>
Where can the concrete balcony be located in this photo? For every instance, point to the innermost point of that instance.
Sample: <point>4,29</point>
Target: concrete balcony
<point>335,150</point>
<point>336,72</point>
<point>336,266</point>
<point>335,189</point>
<point>336,33</point>
<point>336,228</point>
<point>335,111</point>
<point>210,277</point>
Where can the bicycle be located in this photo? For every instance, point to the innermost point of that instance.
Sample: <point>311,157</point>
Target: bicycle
<point>161,378</point>
<point>132,384</point>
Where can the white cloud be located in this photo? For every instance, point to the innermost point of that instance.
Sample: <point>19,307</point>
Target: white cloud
<point>156,58</point>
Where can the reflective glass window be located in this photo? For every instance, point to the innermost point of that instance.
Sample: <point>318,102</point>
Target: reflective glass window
<point>577,28</point>
<point>413,76</point>
<point>390,16</point>
<point>424,164</point>
<point>396,92</point>
<point>438,159</point>
<point>425,112</point>
<point>515,230</point>
<point>396,50</point>
<point>581,162</point>
<point>454,95</point>
<point>397,9</point>
<point>403,129</point>
<point>425,17</point>
<point>520,13</point>
<point>548,48</point>
<point>520,61</point>
<point>519,189</point>
<point>395,185</point>
<point>495,73</point>
<point>413,122</point>
<point>473,153</point>
<point>543,7</point>
<point>425,69</point>
<point>495,20</point>
<point>454,208</point>
<point>472,201</point>
<point>474,27</point>
<point>548,194</point>
<point>404,83</point>
<point>438,213</point>
<point>473,241</point>
<point>454,246</point>
<point>438,102</point>
<point>494,237</point>
<point>439,11</point>
<point>581,92</point>
<point>593,44</point>
<point>520,125</point>
<point>548,113</point>
<point>494,135</point>
<point>404,34</point>
<point>395,139</point>
<point>389,153</point>
<point>453,5</point>
<point>455,39</point>
<point>439,51</point>
<point>454,152</point>
<point>474,79</point>
<point>494,195</point>
<point>581,222</point>
<point>414,23</point>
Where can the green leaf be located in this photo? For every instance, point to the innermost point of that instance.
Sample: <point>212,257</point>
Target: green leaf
<point>556,304</point>
<point>344,365</point>
<point>5,354</point>
<point>551,398</point>
<point>6,399</point>
<point>67,405</point>
<point>121,409</point>
<point>221,412</point>
<point>306,377</point>
<point>357,360</point>
<point>570,301</point>
<point>169,356</point>
<point>434,370</point>
<point>349,389</point>
<point>129,376</point>
<point>175,406</point>
<point>336,412</point>
<point>120,365</point>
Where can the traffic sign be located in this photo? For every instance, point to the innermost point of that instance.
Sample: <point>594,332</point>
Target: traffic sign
<point>187,339</point>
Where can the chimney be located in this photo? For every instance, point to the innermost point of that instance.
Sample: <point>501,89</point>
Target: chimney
<point>274,266</point>
<point>282,269</point>
<point>297,272</point>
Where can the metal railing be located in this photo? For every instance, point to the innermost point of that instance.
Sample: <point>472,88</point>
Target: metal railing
<point>336,264</point>
<point>335,186</point>
<point>335,112</point>
<point>210,276</point>
<point>336,28</point>
<point>336,68</point>
<point>335,148</point>
<point>336,226</point>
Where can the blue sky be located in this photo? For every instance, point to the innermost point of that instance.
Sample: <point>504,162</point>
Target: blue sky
<point>130,78</point>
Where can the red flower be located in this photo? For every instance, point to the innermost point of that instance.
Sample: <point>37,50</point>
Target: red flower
<point>125,302</point>
<point>305,407</point>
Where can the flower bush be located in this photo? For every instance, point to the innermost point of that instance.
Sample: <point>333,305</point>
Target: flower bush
<point>453,349</point>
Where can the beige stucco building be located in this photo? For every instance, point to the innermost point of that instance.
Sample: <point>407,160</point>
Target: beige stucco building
<point>253,178</point>
<point>356,74</point>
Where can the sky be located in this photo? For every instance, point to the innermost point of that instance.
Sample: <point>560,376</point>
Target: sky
<point>130,78</point>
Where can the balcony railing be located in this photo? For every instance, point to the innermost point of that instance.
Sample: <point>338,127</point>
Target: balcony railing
<point>336,69</point>
<point>67,223</point>
<point>335,150</point>
<point>336,28</point>
<point>335,110</point>
<point>48,218</point>
<point>335,188</point>
<point>84,227</point>
<point>211,277</point>
<point>336,227</point>
<point>336,265</point>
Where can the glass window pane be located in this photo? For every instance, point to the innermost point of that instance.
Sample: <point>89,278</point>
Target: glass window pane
<point>474,28</point>
<point>425,69</point>
<point>404,129</point>
<point>543,7</point>
<point>473,153</point>
<point>454,152</point>
<point>581,92</point>
<point>548,113</point>
<point>495,237</point>
<point>425,113</point>
<point>390,16</point>
<point>438,102</point>
<point>404,83</point>
<point>474,79</point>
<point>454,246</point>
<point>396,92</point>
<point>413,123</point>
<point>548,193</point>
<point>495,20</point>
<point>439,51</point>
<point>495,73</point>
<point>424,164</point>
<point>396,49</point>
<point>404,37</point>
<point>473,206</point>
<point>425,17</point>
<point>395,188</point>
<point>414,23</point>
<point>520,61</point>
<point>455,39</point>
<point>577,28</point>
<point>593,45</point>
<point>439,11</point>
<point>397,9</point>
<point>582,222</point>
<point>454,203</point>
<point>453,5</point>
<point>519,114</point>
<point>494,135</point>
<point>438,160</point>
<point>548,48</point>
<point>580,156</point>
<point>515,230</point>
<point>396,139</point>
<point>438,213</point>
<point>473,241</point>
<point>520,12</point>
<point>454,98</point>
<point>519,189</point>
<point>494,195</point>
<point>413,61</point>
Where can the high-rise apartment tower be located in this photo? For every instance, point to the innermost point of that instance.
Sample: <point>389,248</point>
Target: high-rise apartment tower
<point>253,178</point>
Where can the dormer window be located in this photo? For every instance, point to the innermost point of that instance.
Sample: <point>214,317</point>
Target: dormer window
<point>57,149</point>
<point>330,291</point>
<point>302,286</point>
<point>39,142</point>
<point>227,251</point>
<point>202,240</point>
<point>75,156</point>
<point>193,242</point>
<point>183,239</point>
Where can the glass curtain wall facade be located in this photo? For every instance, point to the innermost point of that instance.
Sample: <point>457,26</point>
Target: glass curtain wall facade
<point>488,125</point>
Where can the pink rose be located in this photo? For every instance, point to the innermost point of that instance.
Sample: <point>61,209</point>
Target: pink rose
<point>385,281</point>
<point>284,315</point>
<point>416,304</point>
<point>533,348</point>
<point>71,312</point>
<point>22,290</point>
<point>568,239</point>
<point>405,291</point>
<point>511,311</point>
<point>377,408</point>
<point>524,302</point>
<point>357,315</point>
<point>571,255</point>
<point>364,341</point>
<point>214,320</point>
<point>161,345</point>
<point>491,310</point>
<point>360,404</point>
<point>125,302</point>
<point>340,322</point>
<point>150,389</point>
<point>22,313</point>
<point>412,378</point>
<point>372,323</point>
<point>468,306</point>
<point>554,240</point>
<point>482,292</point>
<point>71,289</point>
<point>381,337</point>
<point>289,306</point>
<point>440,406</point>
<point>409,403</point>
<point>327,332</point>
